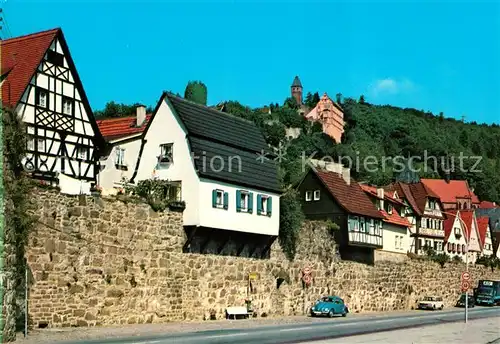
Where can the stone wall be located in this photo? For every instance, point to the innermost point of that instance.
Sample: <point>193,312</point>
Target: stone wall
<point>101,261</point>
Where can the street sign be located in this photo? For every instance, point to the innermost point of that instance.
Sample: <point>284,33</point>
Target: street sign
<point>465,276</point>
<point>465,286</point>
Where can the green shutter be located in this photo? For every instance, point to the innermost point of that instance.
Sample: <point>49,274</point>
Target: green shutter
<point>250,202</point>
<point>214,198</point>
<point>259,204</point>
<point>238,201</point>
<point>226,200</point>
<point>269,209</point>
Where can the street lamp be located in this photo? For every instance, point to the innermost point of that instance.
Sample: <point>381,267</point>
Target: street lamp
<point>466,263</point>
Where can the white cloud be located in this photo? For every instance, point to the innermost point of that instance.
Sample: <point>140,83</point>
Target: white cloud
<point>390,86</point>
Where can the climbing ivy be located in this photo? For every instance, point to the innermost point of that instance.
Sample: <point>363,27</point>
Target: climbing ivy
<point>159,194</point>
<point>18,219</point>
<point>291,218</point>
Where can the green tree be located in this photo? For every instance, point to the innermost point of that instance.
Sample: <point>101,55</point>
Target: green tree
<point>196,91</point>
<point>291,218</point>
<point>361,99</point>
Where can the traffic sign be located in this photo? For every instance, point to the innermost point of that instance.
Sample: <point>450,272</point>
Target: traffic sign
<point>465,276</point>
<point>465,285</point>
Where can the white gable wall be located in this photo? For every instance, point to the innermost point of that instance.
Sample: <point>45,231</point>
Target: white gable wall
<point>457,240</point>
<point>488,244</point>
<point>166,128</point>
<point>230,218</point>
<point>396,239</point>
<point>111,176</point>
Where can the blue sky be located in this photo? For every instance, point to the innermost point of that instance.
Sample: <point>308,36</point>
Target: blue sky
<point>437,56</point>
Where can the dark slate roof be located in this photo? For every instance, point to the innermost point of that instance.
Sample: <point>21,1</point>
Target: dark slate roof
<point>213,133</point>
<point>296,82</point>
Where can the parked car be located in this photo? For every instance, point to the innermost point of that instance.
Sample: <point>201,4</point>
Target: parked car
<point>431,302</point>
<point>329,306</point>
<point>470,301</point>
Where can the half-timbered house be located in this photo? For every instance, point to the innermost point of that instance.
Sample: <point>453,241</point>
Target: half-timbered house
<point>41,84</point>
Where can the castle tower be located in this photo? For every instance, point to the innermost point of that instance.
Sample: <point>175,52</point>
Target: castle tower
<point>297,90</point>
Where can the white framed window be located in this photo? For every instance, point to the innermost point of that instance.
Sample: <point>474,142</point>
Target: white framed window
<point>67,105</point>
<point>362,224</point>
<point>389,209</point>
<point>30,143</point>
<point>308,196</point>
<point>120,156</point>
<point>81,153</point>
<point>166,153</point>
<point>42,98</point>
<point>40,145</point>
<point>316,195</point>
<point>244,201</point>
<point>457,231</point>
<point>263,204</point>
<point>219,200</point>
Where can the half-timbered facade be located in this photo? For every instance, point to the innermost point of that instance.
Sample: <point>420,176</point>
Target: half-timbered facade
<point>327,192</point>
<point>42,86</point>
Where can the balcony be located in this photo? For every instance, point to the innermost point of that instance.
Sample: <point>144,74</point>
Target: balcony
<point>429,232</point>
<point>365,239</point>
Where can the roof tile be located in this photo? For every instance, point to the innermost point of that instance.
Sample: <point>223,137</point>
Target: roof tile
<point>115,128</point>
<point>448,192</point>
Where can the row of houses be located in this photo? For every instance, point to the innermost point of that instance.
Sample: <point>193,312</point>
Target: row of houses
<point>213,161</point>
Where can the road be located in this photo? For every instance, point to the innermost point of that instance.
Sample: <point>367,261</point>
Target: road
<point>307,331</point>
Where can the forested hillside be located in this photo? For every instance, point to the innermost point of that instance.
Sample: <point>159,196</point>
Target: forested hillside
<point>378,131</point>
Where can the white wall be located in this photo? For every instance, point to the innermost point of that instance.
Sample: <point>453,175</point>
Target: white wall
<point>389,234</point>
<point>167,128</point>
<point>474,244</point>
<point>110,177</point>
<point>230,219</point>
<point>453,239</point>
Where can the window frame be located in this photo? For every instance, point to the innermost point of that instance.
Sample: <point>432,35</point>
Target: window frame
<point>169,151</point>
<point>318,195</point>
<point>71,101</point>
<point>38,92</point>
<point>309,196</point>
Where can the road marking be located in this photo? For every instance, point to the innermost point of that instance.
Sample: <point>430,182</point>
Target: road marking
<point>297,329</point>
<point>226,335</point>
<point>147,342</point>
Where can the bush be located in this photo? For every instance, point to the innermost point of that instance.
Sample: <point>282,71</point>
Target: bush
<point>291,218</point>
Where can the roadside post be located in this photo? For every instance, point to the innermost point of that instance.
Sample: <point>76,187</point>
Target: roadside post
<point>465,287</point>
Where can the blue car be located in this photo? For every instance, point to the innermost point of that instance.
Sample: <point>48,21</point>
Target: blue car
<point>329,306</point>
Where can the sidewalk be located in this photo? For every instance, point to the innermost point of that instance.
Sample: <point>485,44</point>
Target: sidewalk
<point>483,331</point>
<point>55,335</point>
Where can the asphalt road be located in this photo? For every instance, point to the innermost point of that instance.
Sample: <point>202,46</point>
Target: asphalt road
<point>307,331</point>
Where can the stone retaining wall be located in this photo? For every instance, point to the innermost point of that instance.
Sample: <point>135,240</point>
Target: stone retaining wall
<point>102,261</point>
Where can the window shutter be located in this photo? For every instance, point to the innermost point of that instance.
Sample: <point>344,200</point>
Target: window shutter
<point>269,206</point>
<point>238,201</point>
<point>226,200</point>
<point>250,202</point>
<point>214,198</point>
<point>259,204</point>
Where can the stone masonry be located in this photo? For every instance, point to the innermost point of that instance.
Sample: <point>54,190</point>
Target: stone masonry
<point>100,261</point>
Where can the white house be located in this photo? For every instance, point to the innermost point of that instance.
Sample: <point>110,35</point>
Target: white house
<point>41,84</point>
<point>231,195</point>
<point>124,137</point>
<point>455,235</point>
<point>396,233</point>
<point>472,233</point>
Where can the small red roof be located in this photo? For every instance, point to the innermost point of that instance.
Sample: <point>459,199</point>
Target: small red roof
<point>349,196</point>
<point>448,224</point>
<point>116,128</point>
<point>467,216</point>
<point>488,205</point>
<point>482,228</point>
<point>393,218</point>
<point>450,191</point>
<point>20,57</point>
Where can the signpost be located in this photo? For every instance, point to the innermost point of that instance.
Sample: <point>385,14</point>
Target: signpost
<point>465,288</point>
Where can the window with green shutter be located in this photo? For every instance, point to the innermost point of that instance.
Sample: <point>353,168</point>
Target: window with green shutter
<point>244,201</point>
<point>218,198</point>
<point>264,205</point>
<point>226,200</point>
<point>250,202</point>
<point>259,205</point>
<point>269,206</point>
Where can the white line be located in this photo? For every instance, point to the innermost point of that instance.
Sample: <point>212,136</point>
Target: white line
<point>226,335</point>
<point>297,329</point>
<point>147,342</point>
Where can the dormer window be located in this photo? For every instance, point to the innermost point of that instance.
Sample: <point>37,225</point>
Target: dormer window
<point>41,96</point>
<point>389,209</point>
<point>166,154</point>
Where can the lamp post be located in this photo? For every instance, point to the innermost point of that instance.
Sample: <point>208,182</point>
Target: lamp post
<point>466,264</point>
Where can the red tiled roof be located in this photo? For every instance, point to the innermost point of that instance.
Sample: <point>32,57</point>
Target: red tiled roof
<point>488,205</point>
<point>482,228</point>
<point>415,193</point>
<point>448,224</point>
<point>467,216</point>
<point>393,218</point>
<point>115,128</point>
<point>449,191</point>
<point>349,196</point>
<point>20,57</point>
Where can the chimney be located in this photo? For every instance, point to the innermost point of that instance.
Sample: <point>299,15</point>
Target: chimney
<point>380,193</point>
<point>346,174</point>
<point>141,115</point>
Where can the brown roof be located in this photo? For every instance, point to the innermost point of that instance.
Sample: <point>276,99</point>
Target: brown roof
<point>450,191</point>
<point>349,196</point>
<point>415,193</point>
